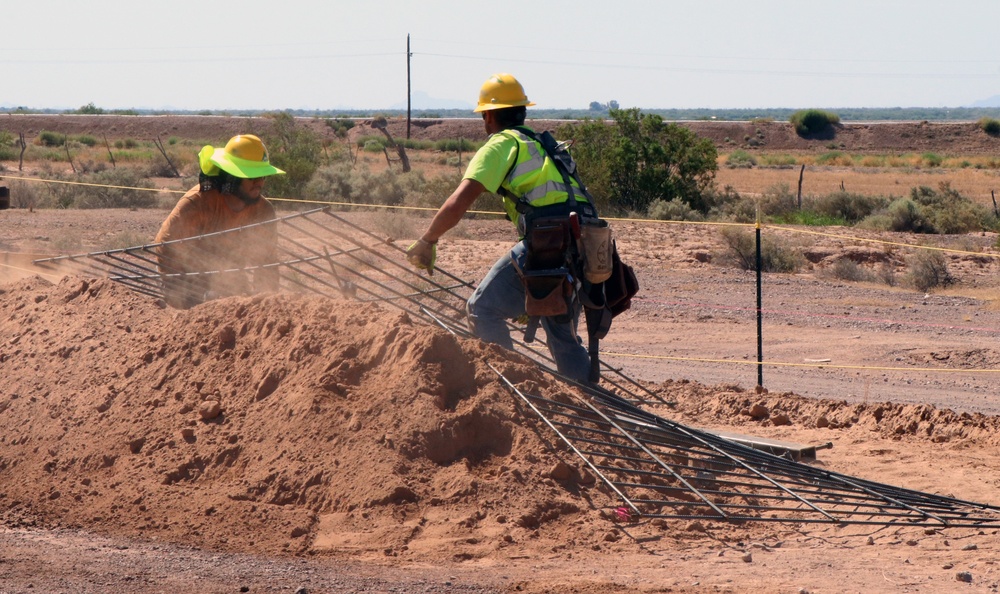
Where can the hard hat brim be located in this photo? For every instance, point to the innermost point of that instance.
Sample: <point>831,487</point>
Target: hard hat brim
<point>492,106</point>
<point>213,160</point>
<point>241,167</point>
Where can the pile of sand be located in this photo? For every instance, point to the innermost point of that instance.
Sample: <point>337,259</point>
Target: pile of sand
<point>273,423</point>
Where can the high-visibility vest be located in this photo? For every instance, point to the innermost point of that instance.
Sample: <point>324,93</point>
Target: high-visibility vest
<point>534,178</point>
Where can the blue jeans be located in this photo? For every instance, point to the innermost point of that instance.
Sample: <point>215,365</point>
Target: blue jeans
<point>500,297</point>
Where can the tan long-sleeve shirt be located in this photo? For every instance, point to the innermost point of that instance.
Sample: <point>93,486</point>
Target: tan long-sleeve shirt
<point>200,213</point>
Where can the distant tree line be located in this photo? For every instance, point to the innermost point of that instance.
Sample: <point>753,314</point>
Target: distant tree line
<point>596,110</point>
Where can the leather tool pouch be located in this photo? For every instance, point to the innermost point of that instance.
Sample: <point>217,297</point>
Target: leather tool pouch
<point>548,291</point>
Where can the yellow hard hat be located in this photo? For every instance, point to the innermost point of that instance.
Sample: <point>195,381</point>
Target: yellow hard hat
<point>500,91</point>
<point>244,156</point>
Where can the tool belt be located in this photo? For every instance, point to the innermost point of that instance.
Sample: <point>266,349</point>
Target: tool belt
<point>548,268</point>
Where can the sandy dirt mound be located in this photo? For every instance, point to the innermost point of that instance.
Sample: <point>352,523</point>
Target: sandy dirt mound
<point>267,424</point>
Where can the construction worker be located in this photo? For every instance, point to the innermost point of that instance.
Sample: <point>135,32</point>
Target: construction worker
<point>227,196</point>
<point>510,164</point>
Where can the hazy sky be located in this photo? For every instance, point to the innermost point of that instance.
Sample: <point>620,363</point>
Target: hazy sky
<point>252,54</point>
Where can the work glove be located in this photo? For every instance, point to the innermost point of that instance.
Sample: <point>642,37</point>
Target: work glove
<point>422,254</point>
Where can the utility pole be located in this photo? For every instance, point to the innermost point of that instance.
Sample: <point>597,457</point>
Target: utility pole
<point>408,55</point>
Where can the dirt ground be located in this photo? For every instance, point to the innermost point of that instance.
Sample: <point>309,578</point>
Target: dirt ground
<point>286,443</point>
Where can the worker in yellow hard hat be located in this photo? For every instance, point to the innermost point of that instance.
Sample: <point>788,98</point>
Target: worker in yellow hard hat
<point>512,163</point>
<point>228,196</point>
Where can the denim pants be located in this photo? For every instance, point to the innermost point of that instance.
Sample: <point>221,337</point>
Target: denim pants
<point>500,297</point>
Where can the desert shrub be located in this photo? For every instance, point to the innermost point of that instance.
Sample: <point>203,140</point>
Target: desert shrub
<point>673,210</point>
<point>361,141</point>
<point>835,159</point>
<point>452,145</point>
<point>85,139</point>
<point>47,138</point>
<point>115,188</point>
<point>928,270</point>
<point>947,211</point>
<point>295,149</point>
<point>777,201</point>
<point>813,121</point>
<point>728,205</point>
<point>331,184</point>
<point>848,206</point>
<point>417,145</point>
<point>340,126</point>
<point>431,193</point>
<point>740,159</point>
<point>641,159</point>
<point>374,145</point>
<point>846,269</point>
<point>780,161</point>
<point>990,125</point>
<point>9,151</point>
<point>741,251</point>
<point>26,194</point>
<point>339,183</point>
<point>931,159</point>
<point>886,273</point>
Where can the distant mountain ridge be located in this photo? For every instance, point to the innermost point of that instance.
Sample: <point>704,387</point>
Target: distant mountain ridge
<point>993,101</point>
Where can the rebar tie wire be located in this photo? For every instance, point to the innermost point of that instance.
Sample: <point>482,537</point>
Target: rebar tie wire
<point>652,467</point>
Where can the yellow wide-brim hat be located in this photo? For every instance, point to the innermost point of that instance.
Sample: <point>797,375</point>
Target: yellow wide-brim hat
<point>243,156</point>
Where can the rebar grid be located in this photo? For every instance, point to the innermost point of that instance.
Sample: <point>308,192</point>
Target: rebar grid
<point>322,252</point>
<point>655,468</point>
<point>660,469</point>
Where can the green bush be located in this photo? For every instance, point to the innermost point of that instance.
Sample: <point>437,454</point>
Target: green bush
<point>340,126</point>
<point>947,211</point>
<point>740,159</point>
<point>641,159</point>
<point>990,125</point>
<point>851,208</point>
<point>451,145</point>
<point>374,145</point>
<point>51,138</point>
<point>296,150</point>
<point>741,251</point>
<point>813,121</point>
<point>931,159</point>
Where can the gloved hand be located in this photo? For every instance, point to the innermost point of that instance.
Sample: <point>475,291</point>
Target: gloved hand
<point>422,254</point>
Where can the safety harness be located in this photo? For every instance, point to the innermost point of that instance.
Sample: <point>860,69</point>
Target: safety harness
<point>570,253</point>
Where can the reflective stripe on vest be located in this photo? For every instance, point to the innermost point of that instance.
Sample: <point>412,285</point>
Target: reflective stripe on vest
<point>552,189</point>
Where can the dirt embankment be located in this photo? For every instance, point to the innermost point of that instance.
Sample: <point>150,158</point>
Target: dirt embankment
<point>965,138</point>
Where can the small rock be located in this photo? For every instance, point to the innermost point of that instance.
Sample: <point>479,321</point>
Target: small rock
<point>747,558</point>
<point>911,543</point>
<point>780,420</point>
<point>970,547</point>
<point>561,471</point>
<point>947,566</point>
<point>758,411</point>
<point>695,526</point>
<point>209,410</point>
<point>964,576</point>
<point>870,541</point>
